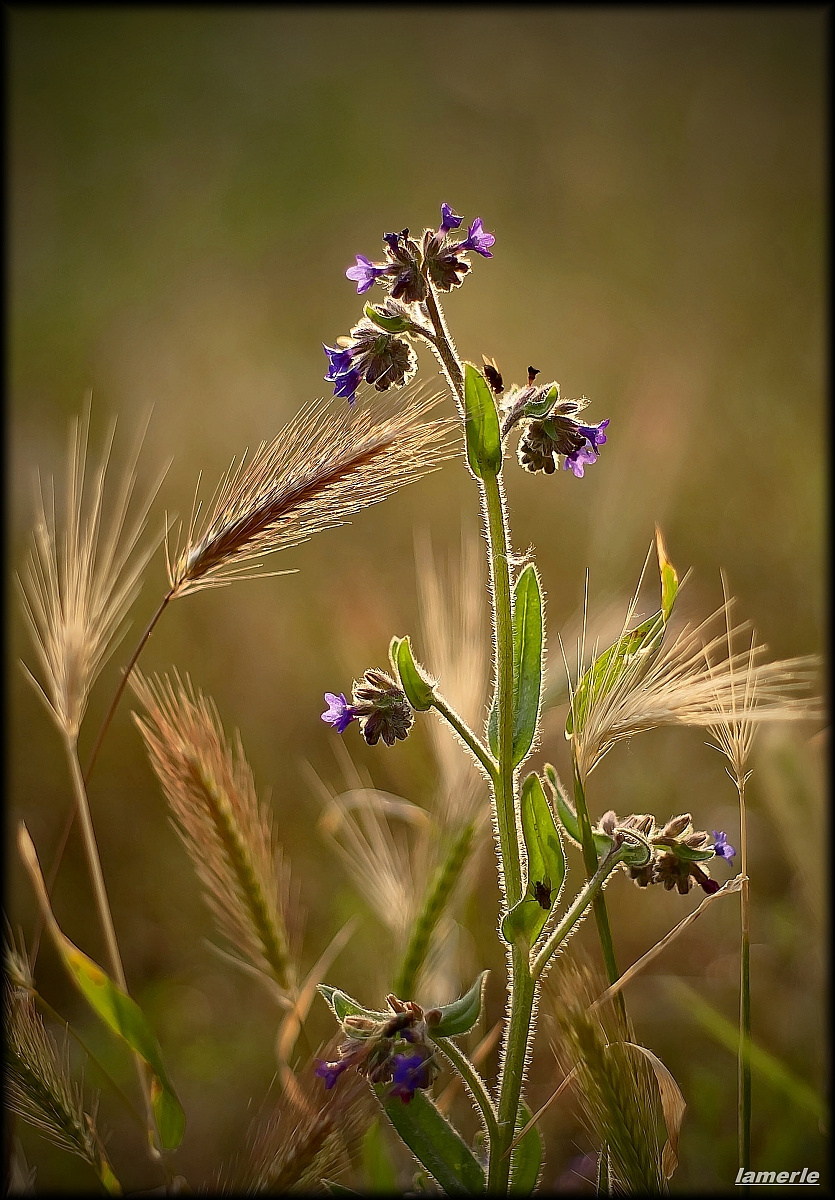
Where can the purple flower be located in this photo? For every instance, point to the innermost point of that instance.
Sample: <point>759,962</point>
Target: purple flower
<point>721,848</point>
<point>365,273</point>
<point>478,240</point>
<point>330,1072</point>
<point>342,372</point>
<point>339,361</point>
<point>586,454</point>
<point>449,219</point>
<point>410,1072</point>
<point>339,714</point>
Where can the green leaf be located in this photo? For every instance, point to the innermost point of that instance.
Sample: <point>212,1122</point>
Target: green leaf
<point>526,1157</point>
<point>688,853</point>
<point>434,1143</point>
<point>342,1005</point>
<point>528,640</point>
<point>669,578</point>
<point>391,324</point>
<point>461,1015</point>
<point>546,866</point>
<point>113,1006</point>
<point>413,679</point>
<point>539,409</point>
<point>568,817</point>
<point>631,654</point>
<point>380,1171</point>
<point>482,432</point>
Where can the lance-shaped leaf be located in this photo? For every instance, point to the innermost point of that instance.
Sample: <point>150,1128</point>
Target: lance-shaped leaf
<point>568,817</point>
<point>482,432</point>
<point>434,1143</point>
<point>688,853</point>
<point>528,642</point>
<point>414,680</point>
<point>540,408</point>
<point>631,655</point>
<point>342,1005</point>
<point>546,866</point>
<point>114,1007</point>
<point>526,1157</point>
<point>461,1015</point>
<point>391,322</point>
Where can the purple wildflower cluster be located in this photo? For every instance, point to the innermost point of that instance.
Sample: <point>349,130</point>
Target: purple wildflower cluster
<point>393,1051</point>
<point>409,270</point>
<point>673,863</point>
<point>379,705</point>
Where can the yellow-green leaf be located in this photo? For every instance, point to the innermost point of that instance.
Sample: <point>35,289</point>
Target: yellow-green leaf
<point>482,432</point>
<point>112,1005</point>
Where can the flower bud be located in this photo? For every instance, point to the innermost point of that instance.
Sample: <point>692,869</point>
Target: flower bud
<point>381,709</point>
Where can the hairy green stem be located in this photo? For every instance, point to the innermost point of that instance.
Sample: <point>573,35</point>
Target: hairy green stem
<point>519,1032</point>
<point>435,901</point>
<point>476,1085</point>
<point>479,751</point>
<point>587,895</point>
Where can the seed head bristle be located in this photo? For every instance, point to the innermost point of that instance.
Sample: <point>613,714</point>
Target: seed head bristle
<point>329,462</point>
<point>226,831</point>
<point>82,575</point>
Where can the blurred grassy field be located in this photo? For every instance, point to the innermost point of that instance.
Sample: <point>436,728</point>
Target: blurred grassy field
<point>187,187</point>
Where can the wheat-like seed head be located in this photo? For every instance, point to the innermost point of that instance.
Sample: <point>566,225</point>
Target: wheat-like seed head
<point>694,681</point>
<point>305,1137</point>
<point>330,461</point>
<point>82,575</point>
<point>39,1088</point>
<point>227,833</point>
<point>615,1086</point>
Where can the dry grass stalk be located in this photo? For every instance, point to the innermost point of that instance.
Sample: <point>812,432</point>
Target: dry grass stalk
<point>327,463</point>
<point>226,831</point>
<point>82,575</point>
<point>38,1085</point>
<point>694,681</point>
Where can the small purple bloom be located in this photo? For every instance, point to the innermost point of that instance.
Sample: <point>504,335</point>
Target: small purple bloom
<point>330,1072</point>
<point>346,386</point>
<point>410,1072</point>
<point>449,219</point>
<point>721,848</point>
<point>339,714</point>
<point>587,454</point>
<point>478,239</point>
<point>339,361</point>
<point>366,272</point>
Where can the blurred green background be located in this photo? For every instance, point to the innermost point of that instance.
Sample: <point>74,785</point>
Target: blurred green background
<point>187,187</point>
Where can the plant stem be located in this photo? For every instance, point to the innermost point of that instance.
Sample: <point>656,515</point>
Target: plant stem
<point>584,897</point>
<point>479,751</point>
<point>68,823</point>
<point>474,1082</point>
<point>106,919</point>
<point>744,992</point>
<point>518,1038</point>
<point>601,913</point>
<point>519,1031</point>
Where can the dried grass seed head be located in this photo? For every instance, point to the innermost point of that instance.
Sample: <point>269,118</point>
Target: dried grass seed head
<point>693,681</point>
<point>329,462</point>
<point>83,573</point>
<point>226,831</point>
